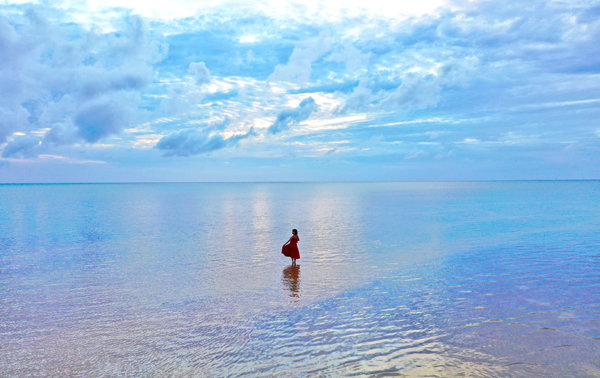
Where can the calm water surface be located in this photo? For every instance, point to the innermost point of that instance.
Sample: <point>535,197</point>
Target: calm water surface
<point>437,279</point>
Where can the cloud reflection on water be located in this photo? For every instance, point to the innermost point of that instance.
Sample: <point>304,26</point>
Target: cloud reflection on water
<point>189,278</point>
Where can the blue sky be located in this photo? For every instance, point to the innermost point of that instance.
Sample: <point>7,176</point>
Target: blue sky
<point>110,90</point>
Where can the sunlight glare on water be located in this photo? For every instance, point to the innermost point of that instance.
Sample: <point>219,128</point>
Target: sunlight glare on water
<point>414,278</point>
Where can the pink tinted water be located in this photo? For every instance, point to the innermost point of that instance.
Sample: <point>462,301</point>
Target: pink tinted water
<point>443,279</point>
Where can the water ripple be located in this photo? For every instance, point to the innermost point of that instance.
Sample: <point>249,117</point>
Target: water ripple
<point>418,279</point>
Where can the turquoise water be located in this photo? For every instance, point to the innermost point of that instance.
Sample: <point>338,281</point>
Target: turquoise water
<point>484,278</point>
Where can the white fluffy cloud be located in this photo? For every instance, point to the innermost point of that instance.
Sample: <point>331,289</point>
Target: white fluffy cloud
<point>299,65</point>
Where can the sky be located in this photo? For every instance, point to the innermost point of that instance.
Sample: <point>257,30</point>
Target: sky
<point>153,91</point>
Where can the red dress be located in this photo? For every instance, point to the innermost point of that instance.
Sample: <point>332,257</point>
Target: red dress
<point>291,249</point>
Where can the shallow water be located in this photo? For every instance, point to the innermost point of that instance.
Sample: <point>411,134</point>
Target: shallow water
<point>482,279</point>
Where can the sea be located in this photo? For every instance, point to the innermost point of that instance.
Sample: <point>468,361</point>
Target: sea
<point>395,278</point>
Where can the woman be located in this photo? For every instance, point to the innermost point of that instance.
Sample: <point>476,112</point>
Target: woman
<point>290,248</point>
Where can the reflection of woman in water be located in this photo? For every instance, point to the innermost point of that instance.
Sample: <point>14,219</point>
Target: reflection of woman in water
<point>290,248</point>
<point>291,280</point>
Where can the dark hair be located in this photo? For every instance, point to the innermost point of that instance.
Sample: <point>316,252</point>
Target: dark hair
<point>295,232</point>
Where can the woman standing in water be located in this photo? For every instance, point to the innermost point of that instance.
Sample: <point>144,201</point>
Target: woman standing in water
<point>290,248</point>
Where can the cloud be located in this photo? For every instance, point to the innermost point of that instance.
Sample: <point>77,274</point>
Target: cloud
<point>197,141</point>
<point>354,59</point>
<point>100,119</point>
<point>100,82</point>
<point>189,142</point>
<point>22,146</point>
<point>360,97</point>
<point>299,65</point>
<point>76,81</point>
<point>493,50</point>
<point>290,117</point>
<point>74,78</point>
<point>413,85</point>
<point>199,72</point>
<point>417,91</point>
<point>10,118</point>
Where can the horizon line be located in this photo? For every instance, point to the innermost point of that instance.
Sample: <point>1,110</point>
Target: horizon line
<point>291,182</point>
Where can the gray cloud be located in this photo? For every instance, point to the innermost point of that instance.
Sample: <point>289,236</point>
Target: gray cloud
<point>100,119</point>
<point>100,82</point>
<point>189,142</point>
<point>290,117</point>
<point>492,49</point>
<point>199,72</point>
<point>86,84</point>
<point>197,141</point>
<point>76,81</point>
<point>22,146</point>
<point>11,118</point>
